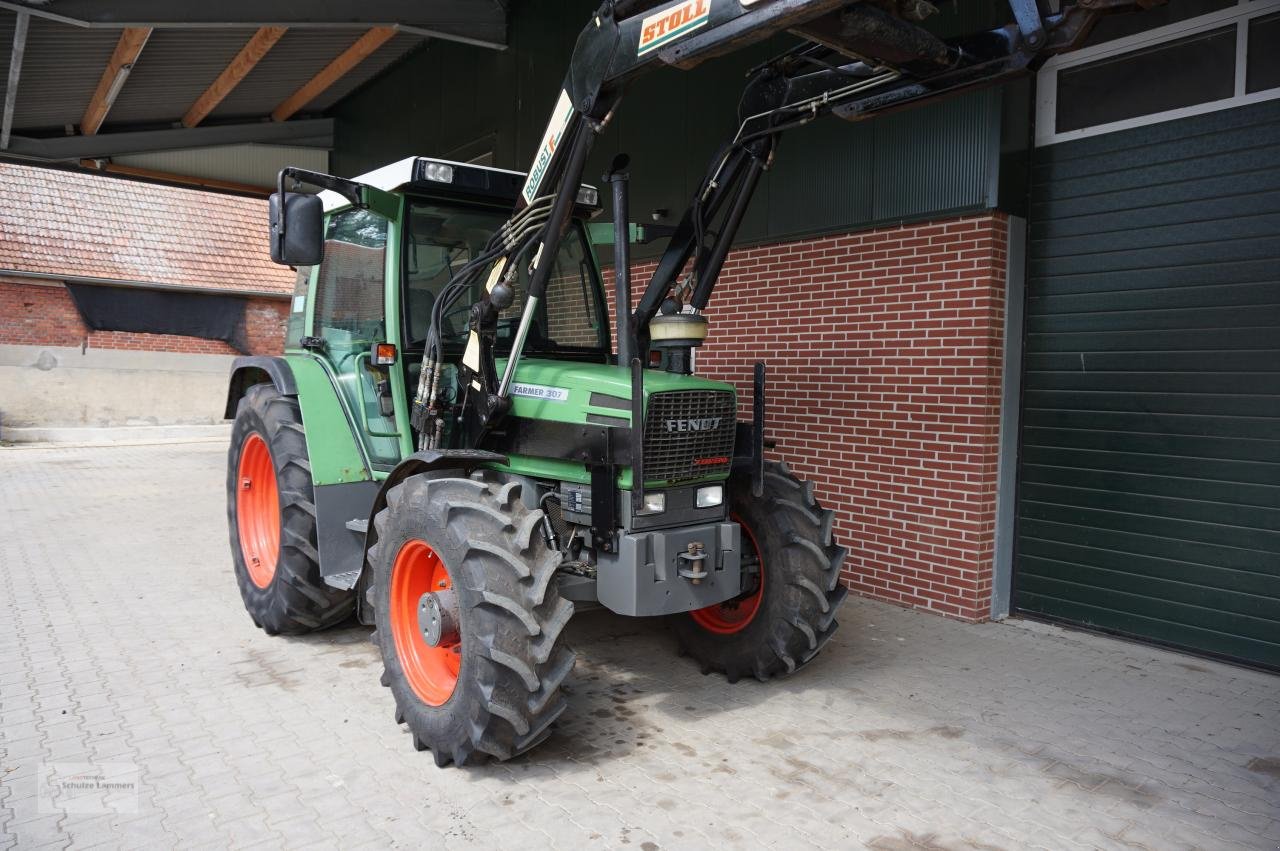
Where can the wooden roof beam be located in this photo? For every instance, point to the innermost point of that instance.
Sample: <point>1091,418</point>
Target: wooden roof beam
<point>237,69</point>
<point>132,40</point>
<point>334,71</point>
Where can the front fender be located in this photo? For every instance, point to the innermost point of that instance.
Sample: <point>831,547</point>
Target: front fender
<point>428,460</point>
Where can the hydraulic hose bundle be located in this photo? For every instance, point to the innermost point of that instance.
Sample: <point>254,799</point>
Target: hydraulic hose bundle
<point>513,241</point>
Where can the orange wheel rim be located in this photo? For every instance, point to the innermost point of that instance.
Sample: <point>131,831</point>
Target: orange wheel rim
<point>258,510</point>
<point>432,672</point>
<point>733,615</point>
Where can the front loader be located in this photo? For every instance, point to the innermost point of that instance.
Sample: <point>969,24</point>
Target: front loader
<point>450,447</point>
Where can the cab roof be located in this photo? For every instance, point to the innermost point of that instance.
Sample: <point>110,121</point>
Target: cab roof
<point>449,179</point>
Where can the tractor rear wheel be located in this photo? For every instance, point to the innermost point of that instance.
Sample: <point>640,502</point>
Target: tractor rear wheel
<point>468,617</point>
<point>791,584</point>
<point>272,517</point>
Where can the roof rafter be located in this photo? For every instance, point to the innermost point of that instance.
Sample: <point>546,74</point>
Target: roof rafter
<point>237,69</point>
<point>130,45</point>
<point>334,71</point>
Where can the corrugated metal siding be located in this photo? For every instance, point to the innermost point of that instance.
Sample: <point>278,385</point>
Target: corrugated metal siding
<point>828,177</point>
<point>62,66</point>
<point>379,61</point>
<point>940,158</point>
<point>253,164</point>
<point>60,69</point>
<point>1149,489</point>
<point>153,90</point>
<point>295,59</point>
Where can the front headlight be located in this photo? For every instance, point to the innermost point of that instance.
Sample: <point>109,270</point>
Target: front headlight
<point>654,503</point>
<point>709,496</point>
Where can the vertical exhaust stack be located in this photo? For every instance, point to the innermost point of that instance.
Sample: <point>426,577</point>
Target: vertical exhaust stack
<point>619,179</point>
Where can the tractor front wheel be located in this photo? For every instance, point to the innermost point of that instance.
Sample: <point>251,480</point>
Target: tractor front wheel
<point>272,514</point>
<point>790,585</point>
<point>468,617</point>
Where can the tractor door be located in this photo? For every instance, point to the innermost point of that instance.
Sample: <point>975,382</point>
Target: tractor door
<point>348,313</point>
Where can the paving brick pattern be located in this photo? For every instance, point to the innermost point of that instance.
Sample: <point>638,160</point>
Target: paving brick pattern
<point>124,641</point>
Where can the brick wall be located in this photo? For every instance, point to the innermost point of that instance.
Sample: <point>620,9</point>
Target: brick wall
<point>884,356</point>
<point>40,314</point>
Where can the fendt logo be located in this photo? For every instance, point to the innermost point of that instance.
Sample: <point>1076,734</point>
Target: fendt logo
<point>701,424</point>
<point>671,23</point>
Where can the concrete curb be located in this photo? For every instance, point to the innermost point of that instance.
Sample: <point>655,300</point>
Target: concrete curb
<point>113,435</point>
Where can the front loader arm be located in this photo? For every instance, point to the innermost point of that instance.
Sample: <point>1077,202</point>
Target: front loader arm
<point>857,58</point>
<point>857,62</point>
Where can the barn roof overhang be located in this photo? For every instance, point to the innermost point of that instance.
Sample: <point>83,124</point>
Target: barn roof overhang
<point>86,81</point>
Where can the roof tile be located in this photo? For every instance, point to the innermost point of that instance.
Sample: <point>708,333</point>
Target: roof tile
<point>66,223</point>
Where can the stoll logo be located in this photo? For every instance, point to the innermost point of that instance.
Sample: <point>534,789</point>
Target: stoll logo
<point>700,424</point>
<point>671,23</point>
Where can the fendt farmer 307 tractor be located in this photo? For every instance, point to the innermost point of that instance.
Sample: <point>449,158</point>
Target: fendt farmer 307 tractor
<point>450,449</point>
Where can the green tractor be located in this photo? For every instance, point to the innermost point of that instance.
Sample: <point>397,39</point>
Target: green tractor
<point>471,556</point>
<point>452,450</point>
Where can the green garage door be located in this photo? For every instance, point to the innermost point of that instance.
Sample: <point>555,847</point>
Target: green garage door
<point>1149,479</point>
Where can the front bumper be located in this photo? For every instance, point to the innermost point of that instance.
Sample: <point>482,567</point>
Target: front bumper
<point>643,577</point>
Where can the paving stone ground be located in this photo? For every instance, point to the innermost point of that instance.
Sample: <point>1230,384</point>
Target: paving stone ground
<point>125,655</point>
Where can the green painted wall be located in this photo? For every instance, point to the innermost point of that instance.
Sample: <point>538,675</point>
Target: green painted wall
<point>456,101</point>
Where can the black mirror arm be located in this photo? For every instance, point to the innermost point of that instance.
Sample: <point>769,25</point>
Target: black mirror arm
<point>348,189</point>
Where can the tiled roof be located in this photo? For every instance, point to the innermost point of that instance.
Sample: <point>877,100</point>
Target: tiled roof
<point>63,223</point>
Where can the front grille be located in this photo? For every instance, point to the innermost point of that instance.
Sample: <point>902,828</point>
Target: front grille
<point>688,434</point>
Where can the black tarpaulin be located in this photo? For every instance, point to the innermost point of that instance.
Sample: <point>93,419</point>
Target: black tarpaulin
<point>213,317</point>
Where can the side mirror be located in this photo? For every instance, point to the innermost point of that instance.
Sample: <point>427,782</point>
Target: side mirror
<point>297,229</point>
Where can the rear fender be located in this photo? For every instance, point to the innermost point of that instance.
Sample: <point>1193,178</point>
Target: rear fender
<point>257,369</point>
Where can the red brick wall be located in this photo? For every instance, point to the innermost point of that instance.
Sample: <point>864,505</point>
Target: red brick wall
<point>34,314</point>
<point>884,363</point>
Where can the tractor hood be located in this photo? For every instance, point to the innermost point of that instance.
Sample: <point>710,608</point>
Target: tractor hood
<point>571,392</point>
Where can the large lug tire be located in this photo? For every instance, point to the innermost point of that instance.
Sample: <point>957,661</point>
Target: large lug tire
<point>788,607</point>
<point>272,517</point>
<point>491,689</point>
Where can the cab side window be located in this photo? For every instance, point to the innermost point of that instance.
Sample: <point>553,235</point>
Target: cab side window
<point>350,300</point>
<point>349,293</point>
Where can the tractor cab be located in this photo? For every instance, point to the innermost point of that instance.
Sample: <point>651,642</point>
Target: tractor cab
<point>366,308</point>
